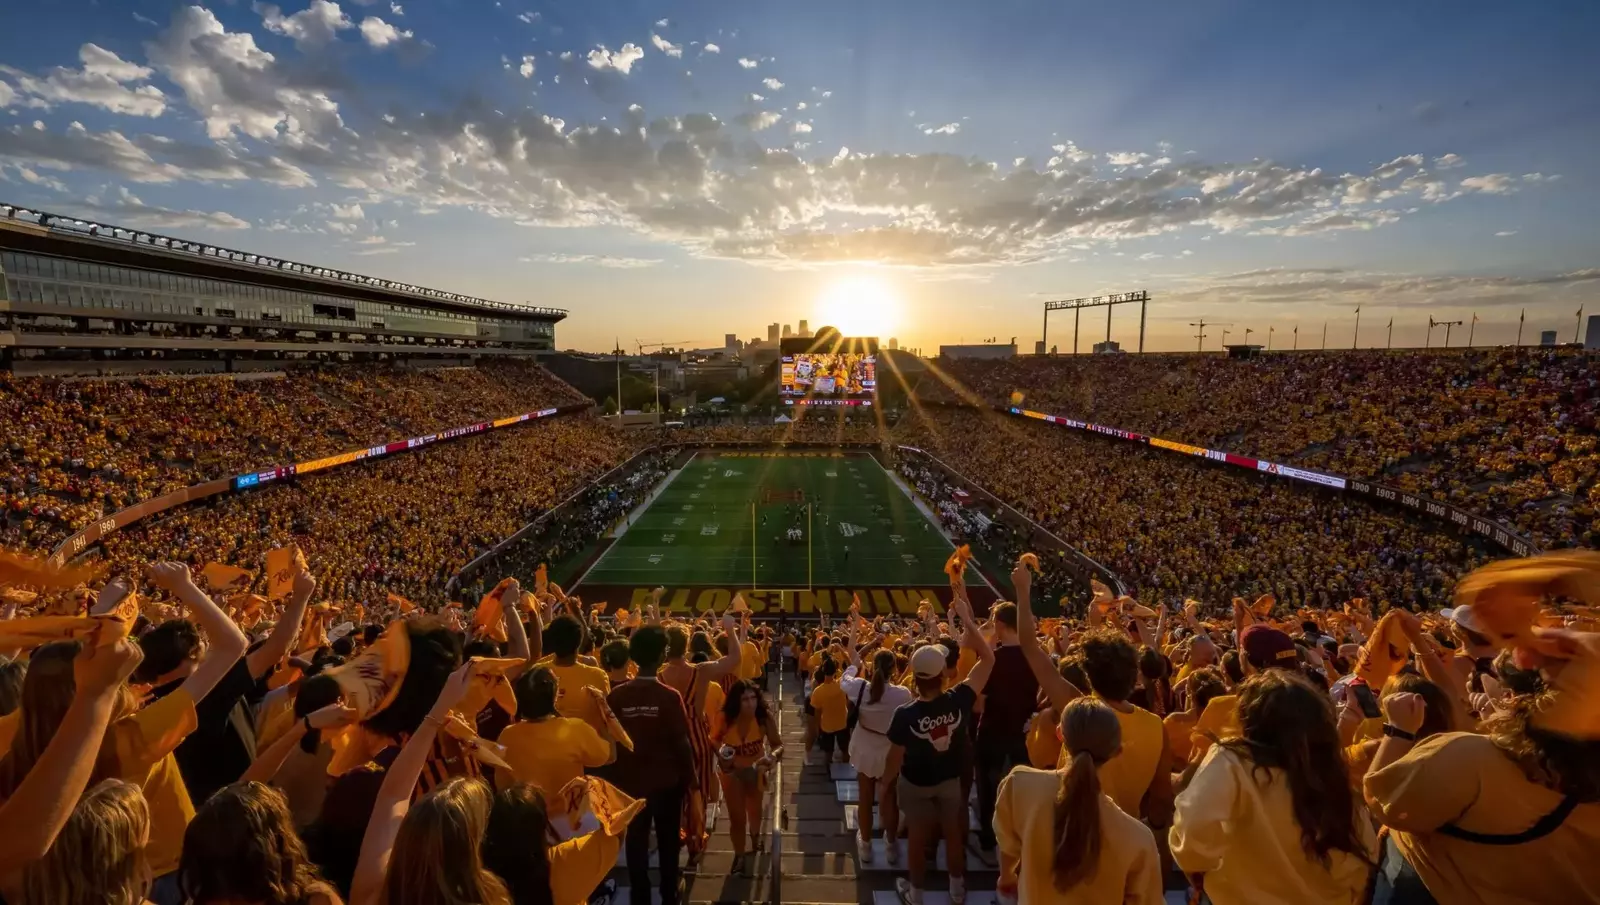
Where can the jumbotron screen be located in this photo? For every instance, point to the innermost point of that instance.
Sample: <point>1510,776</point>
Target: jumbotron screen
<point>847,375</point>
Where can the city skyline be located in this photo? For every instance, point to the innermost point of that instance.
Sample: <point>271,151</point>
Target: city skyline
<point>922,172</point>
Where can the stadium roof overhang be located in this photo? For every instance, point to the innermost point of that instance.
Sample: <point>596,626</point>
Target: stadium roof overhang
<point>41,232</point>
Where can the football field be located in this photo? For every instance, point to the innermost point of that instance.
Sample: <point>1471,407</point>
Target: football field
<point>724,521</point>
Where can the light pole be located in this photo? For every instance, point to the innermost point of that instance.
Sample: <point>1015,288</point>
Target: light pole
<point>1355,340</point>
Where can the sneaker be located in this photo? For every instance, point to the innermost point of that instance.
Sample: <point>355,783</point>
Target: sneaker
<point>958,891</point>
<point>908,894</point>
<point>864,850</point>
<point>891,850</point>
<point>741,864</point>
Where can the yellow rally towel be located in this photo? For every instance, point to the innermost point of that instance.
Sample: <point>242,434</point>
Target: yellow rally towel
<point>219,577</point>
<point>282,564</point>
<point>37,572</point>
<point>1384,653</point>
<point>613,808</point>
<point>489,683</point>
<point>485,751</point>
<point>541,579</point>
<point>18,596</point>
<point>488,618</point>
<point>97,631</point>
<point>739,604</point>
<point>372,678</point>
<point>314,628</point>
<point>617,732</point>
<point>405,606</point>
<point>1505,595</point>
<point>245,607</point>
<point>956,565</point>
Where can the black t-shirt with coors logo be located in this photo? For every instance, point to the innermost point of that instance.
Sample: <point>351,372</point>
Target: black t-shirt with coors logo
<point>934,734</point>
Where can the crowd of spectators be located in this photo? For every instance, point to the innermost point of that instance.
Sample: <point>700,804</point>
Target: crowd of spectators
<point>73,450</point>
<point>403,524</point>
<point>1507,433</point>
<point>1172,527</point>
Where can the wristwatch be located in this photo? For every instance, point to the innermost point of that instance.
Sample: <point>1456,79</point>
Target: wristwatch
<point>1393,731</point>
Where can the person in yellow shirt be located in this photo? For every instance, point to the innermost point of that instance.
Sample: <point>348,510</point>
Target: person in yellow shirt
<point>1261,647</point>
<point>831,714</point>
<point>546,749</point>
<point>1204,685</point>
<point>1139,778</point>
<point>569,870</point>
<point>1270,817</point>
<point>562,638</point>
<point>1061,839</point>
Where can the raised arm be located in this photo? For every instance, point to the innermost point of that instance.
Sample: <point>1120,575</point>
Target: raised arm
<point>226,644</point>
<point>39,808</point>
<point>1058,690</point>
<point>270,761</point>
<point>729,664</point>
<point>394,796</point>
<point>974,639</point>
<point>510,611</point>
<point>281,641</point>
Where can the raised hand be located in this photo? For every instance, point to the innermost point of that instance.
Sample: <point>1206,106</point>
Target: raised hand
<point>97,670</point>
<point>169,576</point>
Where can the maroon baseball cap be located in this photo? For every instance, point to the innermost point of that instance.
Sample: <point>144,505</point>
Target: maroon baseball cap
<point>1265,646</point>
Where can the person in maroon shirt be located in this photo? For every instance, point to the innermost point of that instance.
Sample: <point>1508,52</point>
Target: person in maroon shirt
<point>659,769</point>
<point>1008,702</point>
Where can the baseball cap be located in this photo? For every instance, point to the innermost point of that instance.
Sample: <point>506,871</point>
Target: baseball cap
<point>1463,616</point>
<point>1265,646</point>
<point>928,661</point>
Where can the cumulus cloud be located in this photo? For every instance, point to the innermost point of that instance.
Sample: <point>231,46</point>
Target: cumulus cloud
<point>104,80</point>
<point>759,120</point>
<point>614,261</point>
<point>236,86</point>
<point>621,60</point>
<point>313,27</point>
<point>1126,158</point>
<point>772,84</point>
<point>1448,161</point>
<point>529,18</point>
<point>666,47</point>
<point>1504,233</point>
<point>1491,184</point>
<point>748,63</point>
<point>346,211</point>
<point>800,128</point>
<point>711,48</point>
<point>379,34</point>
<point>946,129</point>
<point>1339,288</point>
<point>526,69</point>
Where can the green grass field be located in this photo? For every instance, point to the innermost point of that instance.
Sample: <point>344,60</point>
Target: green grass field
<point>700,532</point>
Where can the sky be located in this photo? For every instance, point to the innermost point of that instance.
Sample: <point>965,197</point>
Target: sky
<point>932,171</point>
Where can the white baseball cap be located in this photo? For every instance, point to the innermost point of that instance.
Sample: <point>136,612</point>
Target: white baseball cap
<point>928,662</point>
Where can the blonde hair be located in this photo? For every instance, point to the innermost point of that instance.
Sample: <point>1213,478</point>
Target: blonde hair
<point>1090,733</point>
<point>436,860</point>
<point>47,691</point>
<point>98,859</point>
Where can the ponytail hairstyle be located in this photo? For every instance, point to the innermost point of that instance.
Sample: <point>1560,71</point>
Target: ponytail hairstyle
<point>828,668</point>
<point>1091,734</point>
<point>883,665</point>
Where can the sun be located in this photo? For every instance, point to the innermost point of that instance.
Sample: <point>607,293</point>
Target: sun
<point>859,306</point>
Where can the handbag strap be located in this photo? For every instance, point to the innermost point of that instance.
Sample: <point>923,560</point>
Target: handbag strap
<point>1546,825</point>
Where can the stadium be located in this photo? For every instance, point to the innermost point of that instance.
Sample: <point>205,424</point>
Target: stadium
<point>415,450</point>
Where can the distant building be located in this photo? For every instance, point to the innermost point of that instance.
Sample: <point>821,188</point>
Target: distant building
<point>1547,337</point>
<point>1038,347</point>
<point>787,332</point>
<point>894,342</point>
<point>1591,335</point>
<point>985,350</point>
<point>805,330</point>
<point>772,333</point>
<point>1107,347</point>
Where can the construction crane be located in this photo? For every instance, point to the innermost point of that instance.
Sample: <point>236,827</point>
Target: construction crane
<point>676,344</point>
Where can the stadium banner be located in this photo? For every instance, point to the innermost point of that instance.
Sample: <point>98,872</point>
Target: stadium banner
<point>1499,533</point>
<point>80,541</point>
<point>804,603</point>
